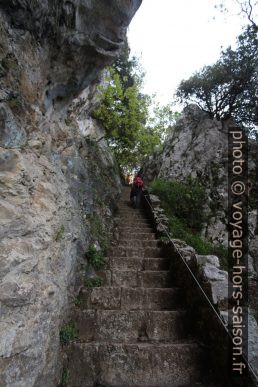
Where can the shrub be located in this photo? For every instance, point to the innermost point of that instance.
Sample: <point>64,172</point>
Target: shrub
<point>184,199</point>
<point>183,203</point>
<point>93,282</point>
<point>95,258</point>
<point>68,333</point>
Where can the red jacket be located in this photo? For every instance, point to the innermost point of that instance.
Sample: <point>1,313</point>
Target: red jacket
<point>138,182</point>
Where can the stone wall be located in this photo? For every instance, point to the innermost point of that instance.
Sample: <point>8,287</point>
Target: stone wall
<point>58,182</point>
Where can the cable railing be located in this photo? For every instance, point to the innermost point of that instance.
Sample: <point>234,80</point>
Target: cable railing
<point>251,370</point>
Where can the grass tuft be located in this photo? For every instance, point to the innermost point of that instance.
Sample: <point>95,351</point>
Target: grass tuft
<point>95,258</point>
<point>68,333</point>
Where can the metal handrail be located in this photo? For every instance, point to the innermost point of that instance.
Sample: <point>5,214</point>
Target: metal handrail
<point>203,292</point>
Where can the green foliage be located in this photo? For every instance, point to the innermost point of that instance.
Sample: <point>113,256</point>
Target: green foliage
<point>228,88</point>
<point>98,229</point>
<point>68,333</point>
<point>180,231</point>
<point>128,68</point>
<point>163,120</point>
<point>93,282</point>
<point>77,301</point>
<point>66,377</point>
<point>124,112</point>
<point>95,258</point>
<point>183,203</point>
<point>184,199</point>
<point>60,233</point>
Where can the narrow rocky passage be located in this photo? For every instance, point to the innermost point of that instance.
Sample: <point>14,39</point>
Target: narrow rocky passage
<point>133,331</point>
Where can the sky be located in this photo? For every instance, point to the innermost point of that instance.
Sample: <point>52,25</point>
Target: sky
<point>175,38</point>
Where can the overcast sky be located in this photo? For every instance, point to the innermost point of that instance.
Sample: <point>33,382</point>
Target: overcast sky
<point>174,38</point>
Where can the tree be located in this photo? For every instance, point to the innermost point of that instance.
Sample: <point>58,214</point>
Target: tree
<point>123,111</point>
<point>229,87</point>
<point>163,120</point>
<point>246,8</point>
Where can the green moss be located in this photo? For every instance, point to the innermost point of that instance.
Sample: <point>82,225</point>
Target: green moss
<point>66,377</point>
<point>68,333</point>
<point>98,230</point>
<point>60,233</point>
<point>93,282</point>
<point>9,62</point>
<point>77,301</point>
<point>14,102</point>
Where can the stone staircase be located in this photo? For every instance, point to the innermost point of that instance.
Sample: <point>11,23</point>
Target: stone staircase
<point>134,331</point>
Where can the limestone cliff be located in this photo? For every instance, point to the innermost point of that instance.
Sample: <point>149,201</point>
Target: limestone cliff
<point>58,181</point>
<point>197,147</point>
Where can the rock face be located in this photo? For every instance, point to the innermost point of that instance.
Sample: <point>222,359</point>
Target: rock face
<point>198,148</point>
<point>58,182</point>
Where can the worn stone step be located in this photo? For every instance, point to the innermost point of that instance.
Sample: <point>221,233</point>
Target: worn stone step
<point>132,221</point>
<point>131,326</point>
<point>156,263</point>
<point>134,365</point>
<point>134,236</point>
<point>131,214</point>
<point>136,278</point>
<point>122,263</point>
<point>130,298</point>
<point>137,243</point>
<point>135,228</point>
<point>127,206</point>
<point>148,252</point>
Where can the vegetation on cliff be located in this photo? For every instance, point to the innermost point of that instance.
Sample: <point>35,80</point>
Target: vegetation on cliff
<point>124,111</point>
<point>183,202</point>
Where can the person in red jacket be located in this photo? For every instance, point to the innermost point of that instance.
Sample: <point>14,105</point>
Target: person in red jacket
<point>136,191</point>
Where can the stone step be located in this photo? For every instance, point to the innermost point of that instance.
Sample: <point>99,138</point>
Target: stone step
<point>122,263</point>
<point>122,251</point>
<point>131,326</point>
<point>132,221</point>
<point>132,213</point>
<point>135,228</point>
<point>136,278</point>
<point>141,235</point>
<point>128,207</point>
<point>134,365</point>
<point>137,243</point>
<point>130,298</point>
